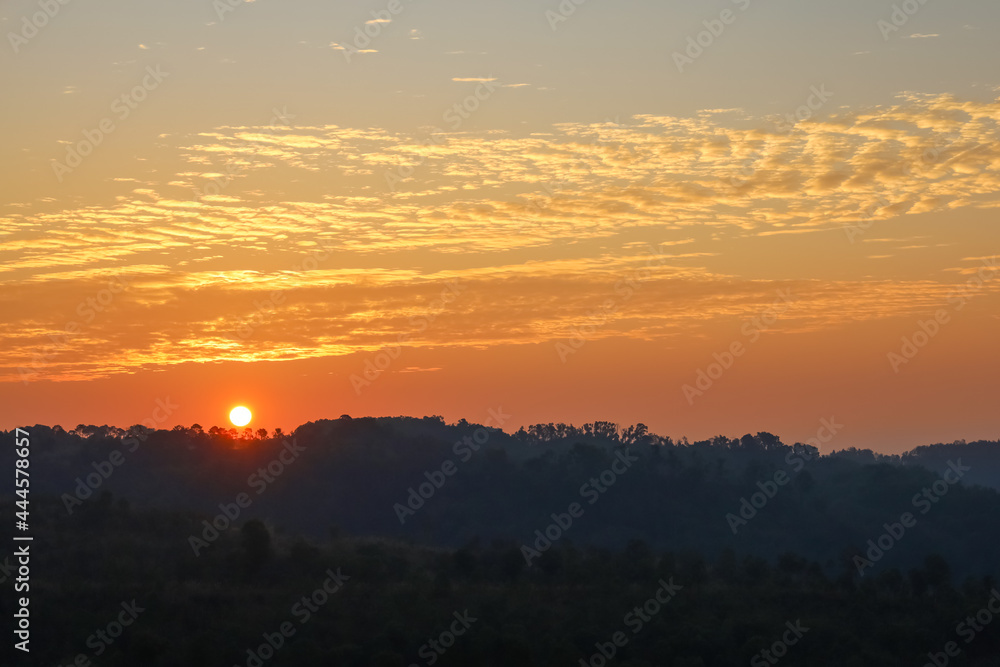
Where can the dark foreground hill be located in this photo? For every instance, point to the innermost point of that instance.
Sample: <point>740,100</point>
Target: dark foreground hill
<point>119,587</point>
<point>446,485</point>
<point>396,542</point>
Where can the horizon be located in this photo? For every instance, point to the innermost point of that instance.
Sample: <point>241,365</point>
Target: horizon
<point>824,441</point>
<point>407,211</point>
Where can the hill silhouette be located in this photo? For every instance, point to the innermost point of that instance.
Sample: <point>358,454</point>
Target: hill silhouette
<point>421,480</point>
<point>399,541</point>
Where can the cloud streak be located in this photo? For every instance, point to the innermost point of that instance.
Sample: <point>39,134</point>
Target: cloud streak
<point>541,226</point>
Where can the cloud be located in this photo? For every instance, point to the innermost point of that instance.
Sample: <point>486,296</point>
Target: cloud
<point>541,226</point>
<point>464,192</point>
<point>340,47</point>
<point>167,317</point>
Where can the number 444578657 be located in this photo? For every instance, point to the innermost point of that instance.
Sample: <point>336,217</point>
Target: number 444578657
<point>21,476</point>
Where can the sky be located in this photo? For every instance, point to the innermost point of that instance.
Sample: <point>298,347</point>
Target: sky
<point>713,218</point>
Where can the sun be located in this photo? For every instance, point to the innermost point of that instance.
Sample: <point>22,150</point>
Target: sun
<point>240,416</point>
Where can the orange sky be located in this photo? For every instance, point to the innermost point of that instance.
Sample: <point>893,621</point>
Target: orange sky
<point>187,218</point>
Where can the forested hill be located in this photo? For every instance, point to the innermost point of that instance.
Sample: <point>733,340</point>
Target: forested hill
<point>423,480</point>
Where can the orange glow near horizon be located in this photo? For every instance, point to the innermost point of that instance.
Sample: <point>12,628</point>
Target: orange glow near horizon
<point>453,223</point>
